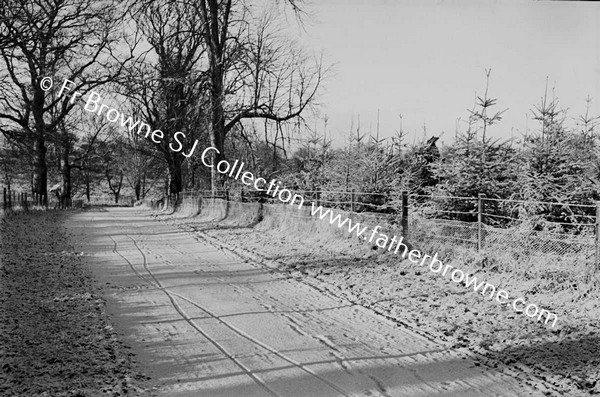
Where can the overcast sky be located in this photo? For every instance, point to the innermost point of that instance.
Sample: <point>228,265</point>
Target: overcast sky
<point>427,59</point>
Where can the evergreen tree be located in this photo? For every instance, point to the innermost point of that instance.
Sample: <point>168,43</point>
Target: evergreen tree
<point>476,163</point>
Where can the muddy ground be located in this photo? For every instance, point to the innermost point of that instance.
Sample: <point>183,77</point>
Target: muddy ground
<point>55,337</point>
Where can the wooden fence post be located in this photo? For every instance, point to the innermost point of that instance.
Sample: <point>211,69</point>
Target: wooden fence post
<point>353,200</point>
<point>242,194</point>
<point>318,194</point>
<point>4,203</point>
<point>597,235</point>
<point>479,221</point>
<point>405,213</point>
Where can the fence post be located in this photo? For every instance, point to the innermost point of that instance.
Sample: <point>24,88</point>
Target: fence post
<point>479,220</point>
<point>4,203</point>
<point>597,235</point>
<point>318,194</point>
<point>405,213</point>
<point>353,200</point>
<point>242,194</point>
<point>25,203</point>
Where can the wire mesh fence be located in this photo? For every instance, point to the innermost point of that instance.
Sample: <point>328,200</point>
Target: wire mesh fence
<point>516,229</point>
<point>554,231</point>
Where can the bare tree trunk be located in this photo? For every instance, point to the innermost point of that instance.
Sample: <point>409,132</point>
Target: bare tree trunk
<point>215,34</point>
<point>40,170</point>
<point>137,188</point>
<point>217,134</point>
<point>87,184</point>
<point>175,174</point>
<point>192,174</point>
<point>117,191</point>
<point>115,188</point>
<point>65,168</point>
<point>144,186</point>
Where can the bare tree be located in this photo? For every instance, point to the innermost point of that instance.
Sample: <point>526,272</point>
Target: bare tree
<point>166,89</point>
<point>77,138</point>
<point>70,39</point>
<point>251,72</point>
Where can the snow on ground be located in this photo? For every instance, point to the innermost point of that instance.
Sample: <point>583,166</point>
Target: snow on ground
<point>55,338</point>
<point>566,357</point>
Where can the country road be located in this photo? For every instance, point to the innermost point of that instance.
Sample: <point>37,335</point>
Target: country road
<point>204,322</point>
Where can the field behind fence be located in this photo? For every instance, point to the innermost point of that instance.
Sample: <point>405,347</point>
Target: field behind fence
<point>16,200</point>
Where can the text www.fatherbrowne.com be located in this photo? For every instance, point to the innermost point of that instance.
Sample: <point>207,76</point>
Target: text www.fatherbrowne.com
<point>94,104</point>
<point>381,239</point>
<point>436,266</point>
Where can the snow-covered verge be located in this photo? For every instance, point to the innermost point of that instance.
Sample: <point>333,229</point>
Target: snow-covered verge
<point>565,358</point>
<point>55,337</point>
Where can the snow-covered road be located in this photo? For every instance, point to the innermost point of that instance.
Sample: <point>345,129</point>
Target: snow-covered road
<point>204,322</point>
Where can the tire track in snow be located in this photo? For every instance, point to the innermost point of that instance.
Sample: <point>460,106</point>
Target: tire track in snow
<point>233,328</point>
<point>344,362</point>
<point>189,320</point>
<point>242,333</point>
